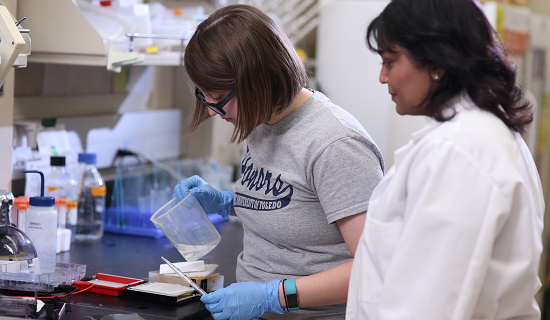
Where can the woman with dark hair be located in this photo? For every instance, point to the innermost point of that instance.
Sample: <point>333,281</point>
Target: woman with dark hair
<point>453,230</point>
<point>296,197</point>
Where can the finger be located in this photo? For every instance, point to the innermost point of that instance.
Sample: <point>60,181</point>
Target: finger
<point>188,183</point>
<point>217,303</point>
<point>196,181</point>
<point>212,297</point>
<point>177,192</point>
<point>219,316</point>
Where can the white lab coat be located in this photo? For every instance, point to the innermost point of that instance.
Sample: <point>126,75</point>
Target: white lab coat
<point>453,231</point>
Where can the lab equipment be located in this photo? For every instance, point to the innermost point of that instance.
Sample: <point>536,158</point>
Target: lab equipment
<point>142,185</point>
<point>17,307</point>
<point>61,206</point>
<point>91,201</point>
<point>210,199</point>
<point>63,273</point>
<point>63,234</point>
<point>184,277</point>
<point>59,183</point>
<point>21,213</point>
<point>112,285</point>
<point>187,226</point>
<point>6,202</point>
<point>17,251</point>
<point>41,226</point>
<point>165,293</point>
<point>244,300</point>
<point>19,210</point>
<point>12,42</point>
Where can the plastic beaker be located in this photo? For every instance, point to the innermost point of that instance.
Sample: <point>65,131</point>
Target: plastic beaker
<point>187,226</point>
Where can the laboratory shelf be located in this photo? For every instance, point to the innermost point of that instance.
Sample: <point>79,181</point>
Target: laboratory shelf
<point>77,33</point>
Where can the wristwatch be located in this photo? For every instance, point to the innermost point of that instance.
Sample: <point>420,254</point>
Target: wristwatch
<point>291,296</point>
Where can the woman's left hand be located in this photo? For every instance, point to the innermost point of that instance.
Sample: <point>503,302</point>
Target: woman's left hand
<point>244,300</point>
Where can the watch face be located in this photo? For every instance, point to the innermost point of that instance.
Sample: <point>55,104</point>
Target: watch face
<point>292,300</point>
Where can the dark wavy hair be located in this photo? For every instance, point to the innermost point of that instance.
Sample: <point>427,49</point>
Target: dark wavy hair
<point>456,37</point>
<point>239,47</point>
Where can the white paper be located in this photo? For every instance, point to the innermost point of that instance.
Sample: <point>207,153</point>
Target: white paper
<point>53,143</point>
<point>209,269</point>
<point>163,288</point>
<point>183,267</point>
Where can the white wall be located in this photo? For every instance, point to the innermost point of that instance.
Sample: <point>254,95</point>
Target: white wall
<point>540,6</point>
<point>347,72</point>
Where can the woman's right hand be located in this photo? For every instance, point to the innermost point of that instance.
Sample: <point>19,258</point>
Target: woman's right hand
<point>211,199</point>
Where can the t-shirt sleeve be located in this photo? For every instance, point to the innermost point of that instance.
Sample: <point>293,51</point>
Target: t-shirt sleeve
<point>345,174</point>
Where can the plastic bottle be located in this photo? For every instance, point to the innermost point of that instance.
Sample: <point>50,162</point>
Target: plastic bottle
<point>41,227</point>
<point>91,200</point>
<point>21,213</point>
<point>60,184</point>
<point>22,153</point>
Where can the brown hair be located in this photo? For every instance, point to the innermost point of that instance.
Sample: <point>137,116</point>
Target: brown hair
<point>239,47</point>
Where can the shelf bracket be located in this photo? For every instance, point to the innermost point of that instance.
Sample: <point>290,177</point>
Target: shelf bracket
<point>182,38</point>
<point>116,59</point>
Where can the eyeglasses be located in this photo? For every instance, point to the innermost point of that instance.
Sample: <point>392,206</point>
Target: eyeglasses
<point>216,107</point>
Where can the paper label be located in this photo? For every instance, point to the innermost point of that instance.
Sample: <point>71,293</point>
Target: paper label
<point>100,191</point>
<point>72,205</point>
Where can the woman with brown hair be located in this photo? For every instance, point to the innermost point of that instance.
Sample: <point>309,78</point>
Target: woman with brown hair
<point>296,196</point>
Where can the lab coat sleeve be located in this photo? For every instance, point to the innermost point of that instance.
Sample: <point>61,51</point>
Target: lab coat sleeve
<point>454,211</point>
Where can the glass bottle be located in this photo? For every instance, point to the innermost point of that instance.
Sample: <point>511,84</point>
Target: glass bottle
<point>91,201</point>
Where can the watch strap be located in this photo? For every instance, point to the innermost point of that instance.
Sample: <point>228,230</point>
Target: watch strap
<point>289,287</point>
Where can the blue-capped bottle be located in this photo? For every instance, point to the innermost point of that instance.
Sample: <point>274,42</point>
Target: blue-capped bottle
<point>91,202</point>
<point>41,226</point>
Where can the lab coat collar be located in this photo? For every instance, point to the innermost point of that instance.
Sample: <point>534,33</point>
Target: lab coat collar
<point>454,105</point>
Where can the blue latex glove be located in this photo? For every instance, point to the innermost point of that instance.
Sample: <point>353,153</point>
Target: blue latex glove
<point>244,300</point>
<point>211,199</point>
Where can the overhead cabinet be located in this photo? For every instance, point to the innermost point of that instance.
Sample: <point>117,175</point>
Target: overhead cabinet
<point>77,32</point>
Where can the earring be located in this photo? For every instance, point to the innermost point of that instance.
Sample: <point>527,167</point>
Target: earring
<point>436,77</point>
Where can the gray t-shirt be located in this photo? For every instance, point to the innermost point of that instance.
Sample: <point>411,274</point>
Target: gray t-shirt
<point>299,176</point>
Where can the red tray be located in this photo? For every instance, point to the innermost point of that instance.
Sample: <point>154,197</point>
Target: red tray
<point>112,285</point>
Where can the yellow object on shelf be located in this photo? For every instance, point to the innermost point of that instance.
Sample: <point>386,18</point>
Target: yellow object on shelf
<point>514,2</point>
<point>301,53</point>
<point>152,49</point>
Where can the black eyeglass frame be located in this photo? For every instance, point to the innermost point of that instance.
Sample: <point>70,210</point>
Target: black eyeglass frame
<point>218,106</point>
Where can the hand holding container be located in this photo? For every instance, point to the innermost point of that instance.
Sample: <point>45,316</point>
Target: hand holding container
<point>187,226</point>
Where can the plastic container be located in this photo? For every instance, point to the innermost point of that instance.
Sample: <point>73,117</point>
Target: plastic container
<point>188,228</point>
<point>41,225</point>
<point>61,206</point>
<point>61,273</point>
<point>112,285</point>
<point>19,210</point>
<point>59,183</point>
<point>139,189</point>
<point>17,252</point>
<point>21,213</point>
<point>91,201</point>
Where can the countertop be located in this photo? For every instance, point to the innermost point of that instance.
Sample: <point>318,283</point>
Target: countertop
<point>134,257</point>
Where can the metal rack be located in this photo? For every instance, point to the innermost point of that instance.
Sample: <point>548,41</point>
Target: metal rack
<point>297,17</point>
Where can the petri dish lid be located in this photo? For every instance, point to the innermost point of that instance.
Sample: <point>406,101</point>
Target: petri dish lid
<point>15,245</point>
